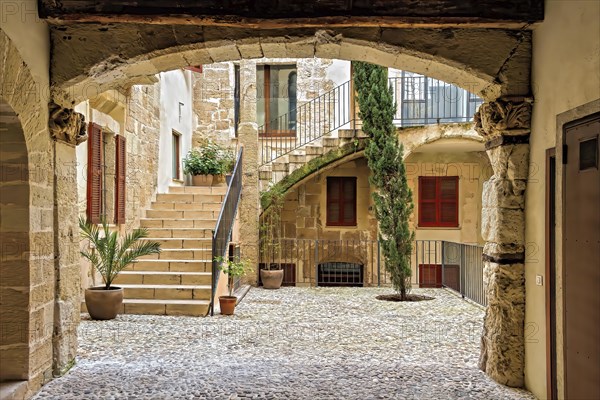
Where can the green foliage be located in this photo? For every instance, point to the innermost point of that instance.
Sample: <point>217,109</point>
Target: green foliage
<point>384,153</point>
<point>232,269</point>
<point>110,255</point>
<point>209,159</point>
<point>270,225</point>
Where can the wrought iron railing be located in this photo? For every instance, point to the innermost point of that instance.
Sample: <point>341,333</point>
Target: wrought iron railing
<point>224,226</point>
<point>420,100</point>
<point>306,123</point>
<point>455,266</point>
<point>309,262</point>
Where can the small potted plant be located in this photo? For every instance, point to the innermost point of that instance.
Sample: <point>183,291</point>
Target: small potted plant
<point>271,274</point>
<point>205,163</point>
<point>232,269</point>
<point>109,256</point>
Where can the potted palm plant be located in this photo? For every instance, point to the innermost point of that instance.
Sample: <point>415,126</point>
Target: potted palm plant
<point>110,256</point>
<point>232,269</point>
<point>207,164</point>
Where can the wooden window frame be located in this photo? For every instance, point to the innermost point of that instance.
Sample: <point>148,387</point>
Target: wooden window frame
<point>341,200</point>
<point>120,179</point>
<point>95,173</point>
<point>268,133</point>
<point>176,137</point>
<point>438,202</point>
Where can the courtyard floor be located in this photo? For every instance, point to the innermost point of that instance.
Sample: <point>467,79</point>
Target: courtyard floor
<point>292,343</point>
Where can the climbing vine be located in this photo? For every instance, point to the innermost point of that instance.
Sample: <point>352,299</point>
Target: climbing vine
<point>270,226</point>
<point>384,153</point>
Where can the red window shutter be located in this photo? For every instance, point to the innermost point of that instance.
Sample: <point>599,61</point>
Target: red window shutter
<point>448,190</point>
<point>438,201</point>
<point>341,201</point>
<point>94,173</point>
<point>427,201</point>
<point>120,178</point>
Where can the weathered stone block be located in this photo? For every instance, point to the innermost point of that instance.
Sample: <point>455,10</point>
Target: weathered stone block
<point>503,225</point>
<point>503,193</point>
<point>503,350</point>
<point>510,161</point>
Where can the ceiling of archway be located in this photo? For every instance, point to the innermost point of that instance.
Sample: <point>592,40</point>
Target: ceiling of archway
<point>483,46</point>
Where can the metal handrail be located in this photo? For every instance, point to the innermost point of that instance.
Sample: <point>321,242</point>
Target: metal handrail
<point>420,100</point>
<point>221,235</point>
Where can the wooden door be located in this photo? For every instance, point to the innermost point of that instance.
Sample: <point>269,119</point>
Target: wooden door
<point>581,244</point>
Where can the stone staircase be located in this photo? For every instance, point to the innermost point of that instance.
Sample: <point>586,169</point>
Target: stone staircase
<point>178,280</point>
<point>275,171</point>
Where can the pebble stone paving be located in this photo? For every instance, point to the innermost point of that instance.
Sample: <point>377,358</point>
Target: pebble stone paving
<point>292,343</point>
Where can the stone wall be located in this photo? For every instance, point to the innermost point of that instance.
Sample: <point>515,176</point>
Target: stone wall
<point>39,305</point>
<point>214,92</point>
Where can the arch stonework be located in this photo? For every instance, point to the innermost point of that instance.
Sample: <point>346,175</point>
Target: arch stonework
<point>51,258</point>
<point>89,59</point>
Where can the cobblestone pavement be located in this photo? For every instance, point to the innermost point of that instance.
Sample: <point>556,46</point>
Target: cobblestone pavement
<point>292,343</point>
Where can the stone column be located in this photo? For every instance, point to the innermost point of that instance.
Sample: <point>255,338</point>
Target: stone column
<point>67,128</point>
<point>249,210</point>
<point>505,124</point>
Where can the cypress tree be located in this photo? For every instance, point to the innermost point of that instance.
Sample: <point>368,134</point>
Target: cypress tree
<point>392,198</point>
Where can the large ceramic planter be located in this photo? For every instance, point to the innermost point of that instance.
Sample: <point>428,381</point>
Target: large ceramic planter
<point>202,180</point>
<point>271,279</point>
<point>218,179</point>
<point>227,304</point>
<point>102,303</point>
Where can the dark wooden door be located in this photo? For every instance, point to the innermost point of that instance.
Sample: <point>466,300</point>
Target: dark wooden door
<point>551,274</point>
<point>582,259</point>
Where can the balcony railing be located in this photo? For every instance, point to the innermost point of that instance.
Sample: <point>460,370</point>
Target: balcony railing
<point>420,100</point>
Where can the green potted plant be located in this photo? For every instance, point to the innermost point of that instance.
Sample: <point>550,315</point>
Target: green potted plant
<point>271,275</point>
<point>232,269</point>
<point>205,163</point>
<point>109,256</point>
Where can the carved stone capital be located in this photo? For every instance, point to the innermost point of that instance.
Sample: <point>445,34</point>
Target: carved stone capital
<point>66,125</point>
<point>503,117</point>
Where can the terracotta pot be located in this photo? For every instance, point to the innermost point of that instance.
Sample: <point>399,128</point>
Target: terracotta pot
<point>271,279</point>
<point>218,179</point>
<point>102,303</point>
<point>202,180</point>
<point>227,304</point>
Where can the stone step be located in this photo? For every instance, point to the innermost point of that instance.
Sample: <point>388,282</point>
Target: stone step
<point>183,243</point>
<point>347,133</point>
<point>177,223</point>
<point>217,189</point>
<point>164,265</point>
<point>198,308</point>
<point>313,150</point>
<point>297,158</point>
<point>189,198</point>
<point>194,233</point>
<point>166,292</point>
<point>169,206</point>
<point>163,278</point>
<point>279,167</point>
<point>331,142</point>
<point>265,175</point>
<point>180,254</point>
<point>181,214</point>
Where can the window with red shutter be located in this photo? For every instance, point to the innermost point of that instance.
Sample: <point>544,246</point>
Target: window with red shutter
<point>120,174</point>
<point>438,201</point>
<point>94,173</point>
<point>341,201</point>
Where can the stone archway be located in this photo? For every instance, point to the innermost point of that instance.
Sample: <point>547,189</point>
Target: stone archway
<point>37,214</point>
<point>15,246</point>
<point>94,54</point>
